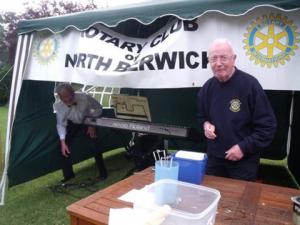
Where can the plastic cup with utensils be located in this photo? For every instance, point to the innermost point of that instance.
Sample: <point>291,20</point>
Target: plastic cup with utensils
<point>166,169</point>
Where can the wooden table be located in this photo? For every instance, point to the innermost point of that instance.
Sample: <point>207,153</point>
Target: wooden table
<point>241,202</point>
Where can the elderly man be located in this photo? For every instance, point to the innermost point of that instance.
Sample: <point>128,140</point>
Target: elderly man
<point>70,113</point>
<point>236,116</point>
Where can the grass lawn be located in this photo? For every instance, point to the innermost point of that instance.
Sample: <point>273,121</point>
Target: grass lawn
<point>43,202</point>
<point>275,172</point>
<point>3,121</point>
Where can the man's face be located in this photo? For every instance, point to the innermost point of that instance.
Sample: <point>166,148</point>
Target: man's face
<point>222,61</point>
<point>67,97</point>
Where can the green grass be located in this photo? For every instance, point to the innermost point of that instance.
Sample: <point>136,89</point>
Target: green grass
<point>3,121</point>
<point>43,202</point>
<point>276,172</point>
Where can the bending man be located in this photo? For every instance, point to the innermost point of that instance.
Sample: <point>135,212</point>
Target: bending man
<point>70,113</point>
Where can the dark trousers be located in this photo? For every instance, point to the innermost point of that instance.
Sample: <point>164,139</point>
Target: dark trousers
<point>72,131</point>
<point>244,169</point>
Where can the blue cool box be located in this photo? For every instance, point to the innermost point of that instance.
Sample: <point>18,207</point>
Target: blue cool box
<point>191,170</point>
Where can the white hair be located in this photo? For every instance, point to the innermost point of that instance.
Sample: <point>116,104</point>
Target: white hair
<point>64,87</point>
<point>220,41</point>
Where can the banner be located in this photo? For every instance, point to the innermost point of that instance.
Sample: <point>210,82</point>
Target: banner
<point>266,41</point>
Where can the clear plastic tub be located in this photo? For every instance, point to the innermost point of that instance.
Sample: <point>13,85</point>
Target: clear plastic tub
<point>190,204</point>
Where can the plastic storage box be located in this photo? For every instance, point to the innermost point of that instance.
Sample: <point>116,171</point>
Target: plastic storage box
<point>192,166</point>
<point>190,204</point>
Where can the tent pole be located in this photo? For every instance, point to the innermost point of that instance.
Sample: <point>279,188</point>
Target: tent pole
<point>288,144</point>
<point>22,53</point>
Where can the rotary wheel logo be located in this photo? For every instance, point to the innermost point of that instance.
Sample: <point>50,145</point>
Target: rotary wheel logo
<point>45,49</point>
<point>271,40</point>
<point>235,105</point>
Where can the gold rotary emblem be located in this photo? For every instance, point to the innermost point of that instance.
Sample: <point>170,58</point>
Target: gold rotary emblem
<point>271,40</point>
<point>235,105</point>
<point>45,48</point>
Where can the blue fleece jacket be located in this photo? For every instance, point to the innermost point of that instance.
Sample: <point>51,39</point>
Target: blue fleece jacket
<point>240,111</point>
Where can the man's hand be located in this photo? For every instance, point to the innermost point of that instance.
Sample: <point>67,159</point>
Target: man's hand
<point>209,130</point>
<point>91,131</point>
<point>64,149</point>
<point>234,153</point>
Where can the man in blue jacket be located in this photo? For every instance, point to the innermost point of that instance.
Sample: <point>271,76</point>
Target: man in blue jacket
<point>236,116</point>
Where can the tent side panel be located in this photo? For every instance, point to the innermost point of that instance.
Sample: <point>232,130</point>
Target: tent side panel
<point>35,149</point>
<point>281,104</point>
<point>24,41</point>
<point>35,146</point>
